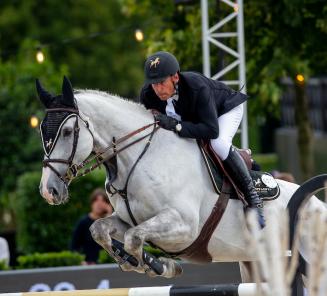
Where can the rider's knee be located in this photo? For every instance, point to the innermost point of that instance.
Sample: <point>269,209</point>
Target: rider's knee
<point>221,147</point>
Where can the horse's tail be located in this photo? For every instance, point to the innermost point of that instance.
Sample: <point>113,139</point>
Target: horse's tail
<point>298,199</point>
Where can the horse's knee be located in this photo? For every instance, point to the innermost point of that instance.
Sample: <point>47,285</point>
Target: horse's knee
<point>132,240</point>
<point>100,231</point>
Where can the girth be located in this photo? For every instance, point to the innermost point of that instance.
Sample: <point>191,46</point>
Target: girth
<point>198,250</point>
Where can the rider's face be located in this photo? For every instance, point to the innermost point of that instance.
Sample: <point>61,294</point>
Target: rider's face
<point>165,89</point>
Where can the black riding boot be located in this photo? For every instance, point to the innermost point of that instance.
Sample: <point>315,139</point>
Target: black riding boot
<point>236,167</point>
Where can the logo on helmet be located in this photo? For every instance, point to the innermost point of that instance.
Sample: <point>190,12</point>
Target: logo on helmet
<point>155,62</point>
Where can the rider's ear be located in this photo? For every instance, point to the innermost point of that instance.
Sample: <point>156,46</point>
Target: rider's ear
<point>175,78</point>
<point>45,97</point>
<point>68,93</point>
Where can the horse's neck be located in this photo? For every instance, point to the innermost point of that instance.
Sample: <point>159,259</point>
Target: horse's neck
<point>111,117</point>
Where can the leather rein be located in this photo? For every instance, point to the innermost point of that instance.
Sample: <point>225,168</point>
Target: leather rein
<point>78,170</point>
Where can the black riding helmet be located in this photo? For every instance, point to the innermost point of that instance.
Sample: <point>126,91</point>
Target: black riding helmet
<point>159,66</point>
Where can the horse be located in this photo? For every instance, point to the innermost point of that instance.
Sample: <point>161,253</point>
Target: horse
<point>170,193</point>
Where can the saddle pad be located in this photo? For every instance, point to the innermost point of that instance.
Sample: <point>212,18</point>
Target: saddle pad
<point>264,183</point>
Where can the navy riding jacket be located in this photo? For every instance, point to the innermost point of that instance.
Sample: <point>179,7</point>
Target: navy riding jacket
<point>201,101</point>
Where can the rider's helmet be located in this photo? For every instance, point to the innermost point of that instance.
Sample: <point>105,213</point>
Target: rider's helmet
<point>159,66</point>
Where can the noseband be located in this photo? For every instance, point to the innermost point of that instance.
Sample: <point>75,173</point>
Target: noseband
<point>94,160</point>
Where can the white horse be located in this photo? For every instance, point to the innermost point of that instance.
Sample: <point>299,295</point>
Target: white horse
<point>170,192</point>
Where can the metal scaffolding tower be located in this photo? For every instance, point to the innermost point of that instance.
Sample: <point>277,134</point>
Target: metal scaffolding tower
<point>212,36</point>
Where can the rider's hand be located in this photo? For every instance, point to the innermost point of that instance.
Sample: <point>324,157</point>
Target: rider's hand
<point>166,122</point>
<point>155,111</point>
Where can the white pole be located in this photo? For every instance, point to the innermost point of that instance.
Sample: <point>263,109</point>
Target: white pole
<point>205,41</point>
<point>241,71</point>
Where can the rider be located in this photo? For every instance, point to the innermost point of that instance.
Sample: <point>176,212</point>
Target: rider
<point>195,106</point>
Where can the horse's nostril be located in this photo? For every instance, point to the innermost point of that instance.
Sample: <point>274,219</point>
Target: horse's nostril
<point>53,191</point>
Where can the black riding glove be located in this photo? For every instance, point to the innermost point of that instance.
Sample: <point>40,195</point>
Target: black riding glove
<point>166,122</point>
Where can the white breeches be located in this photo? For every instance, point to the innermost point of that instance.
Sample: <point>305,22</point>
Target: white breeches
<point>228,125</point>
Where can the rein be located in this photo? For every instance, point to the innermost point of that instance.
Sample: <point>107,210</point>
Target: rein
<point>78,170</point>
<point>100,157</point>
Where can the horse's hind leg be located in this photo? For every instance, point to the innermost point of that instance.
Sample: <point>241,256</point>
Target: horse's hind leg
<point>246,272</point>
<point>169,227</point>
<point>102,230</point>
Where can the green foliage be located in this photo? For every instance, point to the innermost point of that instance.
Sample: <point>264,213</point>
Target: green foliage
<point>7,221</point>
<point>38,260</point>
<point>173,28</point>
<point>42,227</point>
<point>4,265</point>
<point>268,162</point>
<point>105,258</point>
<point>94,38</point>
<point>20,146</point>
<point>64,258</point>
<point>154,251</point>
<point>109,59</point>
<point>281,38</point>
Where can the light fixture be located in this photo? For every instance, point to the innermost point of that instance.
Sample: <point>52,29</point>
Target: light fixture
<point>139,35</point>
<point>300,78</point>
<point>34,121</point>
<point>40,56</point>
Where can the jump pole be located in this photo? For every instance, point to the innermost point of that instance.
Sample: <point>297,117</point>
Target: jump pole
<point>248,289</point>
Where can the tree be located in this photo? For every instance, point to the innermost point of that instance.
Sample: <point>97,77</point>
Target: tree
<point>95,39</point>
<point>92,40</point>
<point>20,144</point>
<point>283,38</point>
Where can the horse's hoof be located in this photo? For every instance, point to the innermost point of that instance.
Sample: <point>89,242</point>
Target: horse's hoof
<point>126,267</point>
<point>178,269</point>
<point>151,273</point>
<point>172,267</point>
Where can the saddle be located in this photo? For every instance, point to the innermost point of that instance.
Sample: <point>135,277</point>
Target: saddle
<point>264,183</point>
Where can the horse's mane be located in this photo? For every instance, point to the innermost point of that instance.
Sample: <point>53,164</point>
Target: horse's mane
<point>108,111</point>
<point>110,96</point>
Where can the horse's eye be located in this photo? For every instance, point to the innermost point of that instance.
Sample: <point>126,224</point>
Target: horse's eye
<point>67,132</point>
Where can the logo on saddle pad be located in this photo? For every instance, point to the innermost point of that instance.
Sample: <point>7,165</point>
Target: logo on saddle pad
<point>269,181</point>
<point>155,62</point>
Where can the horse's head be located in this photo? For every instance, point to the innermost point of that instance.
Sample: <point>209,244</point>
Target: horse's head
<point>66,140</point>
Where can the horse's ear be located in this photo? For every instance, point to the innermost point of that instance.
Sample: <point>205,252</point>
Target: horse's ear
<point>45,97</point>
<point>68,94</point>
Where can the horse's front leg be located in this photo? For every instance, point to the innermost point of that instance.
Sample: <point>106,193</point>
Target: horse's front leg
<point>169,227</point>
<point>102,230</point>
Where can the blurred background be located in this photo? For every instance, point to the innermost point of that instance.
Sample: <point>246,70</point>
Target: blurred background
<point>102,45</point>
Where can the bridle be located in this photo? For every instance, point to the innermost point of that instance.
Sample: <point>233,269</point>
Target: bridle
<point>94,160</point>
<point>47,162</point>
